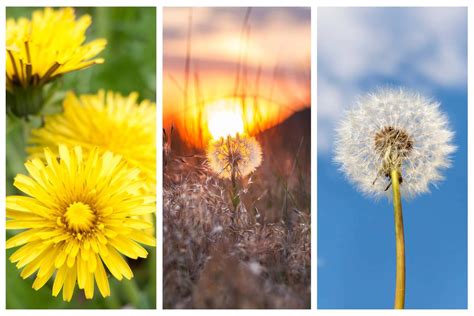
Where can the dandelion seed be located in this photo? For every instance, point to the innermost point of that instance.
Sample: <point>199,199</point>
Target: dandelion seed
<point>41,49</point>
<point>255,267</point>
<point>108,121</point>
<point>240,155</point>
<point>217,229</point>
<point>78,215</point>
<point>393,128</point>
<point>398,139</point>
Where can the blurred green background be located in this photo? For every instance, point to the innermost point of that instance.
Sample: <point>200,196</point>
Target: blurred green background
<point>130,65</point>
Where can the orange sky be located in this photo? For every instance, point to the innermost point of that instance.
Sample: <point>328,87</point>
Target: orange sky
<point>273,48</point>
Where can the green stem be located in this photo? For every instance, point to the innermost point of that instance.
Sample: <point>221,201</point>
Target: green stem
<point>113,301</point>
<point>400,241</point>
<point>132,293</point>
<point>235,194</point>
<point>26,128</point>
<point>152,276</point>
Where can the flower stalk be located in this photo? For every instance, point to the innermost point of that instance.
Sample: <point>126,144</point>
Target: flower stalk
<point>399,240</point>
<point>388,130</point>
<point>234,194</point>
<point>132,292</point>
<point>233,158</point>
<point>25,101</point>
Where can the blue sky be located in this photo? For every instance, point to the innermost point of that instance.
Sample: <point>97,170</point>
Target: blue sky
<point>360,49</point>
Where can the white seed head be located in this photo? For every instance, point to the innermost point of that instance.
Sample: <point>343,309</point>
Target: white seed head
<point>393,128</point>
<point>240,154</point>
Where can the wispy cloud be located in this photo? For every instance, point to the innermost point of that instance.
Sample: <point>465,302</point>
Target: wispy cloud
<point>360,48</point>
<point>217,34</point>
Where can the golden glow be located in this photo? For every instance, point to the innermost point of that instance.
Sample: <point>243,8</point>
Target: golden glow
<point>224,118</point>
<point>264,74</point>
<point>203,122</point>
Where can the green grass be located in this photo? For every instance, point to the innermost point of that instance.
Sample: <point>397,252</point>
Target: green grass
<point>130,65</point>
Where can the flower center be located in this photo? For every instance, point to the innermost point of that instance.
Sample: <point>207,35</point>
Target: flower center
<point>393,145</point>
<point>79,217</point>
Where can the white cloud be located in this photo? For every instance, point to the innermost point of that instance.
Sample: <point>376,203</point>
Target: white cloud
<point>329,94</point>
<point>347,44</point>
<point>216,35</point>
<point>334,95</point>
<point>424,48</point>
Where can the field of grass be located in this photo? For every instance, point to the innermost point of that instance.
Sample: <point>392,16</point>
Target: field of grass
<point>255,257</point>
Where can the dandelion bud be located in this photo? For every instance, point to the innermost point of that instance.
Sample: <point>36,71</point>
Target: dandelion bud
<point>25,101</point>
<point>42,49</point>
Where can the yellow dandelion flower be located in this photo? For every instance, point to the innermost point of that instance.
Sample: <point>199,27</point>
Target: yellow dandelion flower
<point>106,120</point>
<point>43,48</point>
<point>78,216</point>
<point>234,156</point>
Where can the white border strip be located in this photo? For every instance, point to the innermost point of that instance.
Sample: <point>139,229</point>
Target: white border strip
<point>261,3</point>
<point>314,159</point>
<point>159,157</point>
<point>3,158</point>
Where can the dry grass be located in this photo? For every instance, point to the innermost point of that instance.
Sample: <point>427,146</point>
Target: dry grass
<point>255,257</point>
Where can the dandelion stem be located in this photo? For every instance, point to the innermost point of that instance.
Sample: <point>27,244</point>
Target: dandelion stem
<point>400,241</point>
<point>132,293</point>
<point>234,196</point>
<point>26,129</point>
<point>234,191</point>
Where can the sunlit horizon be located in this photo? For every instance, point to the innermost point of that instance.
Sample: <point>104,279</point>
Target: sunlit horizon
<point>237,55</point>
<point>224,119</point>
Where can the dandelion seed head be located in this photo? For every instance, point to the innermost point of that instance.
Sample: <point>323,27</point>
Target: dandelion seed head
<point>78,217</point>
<point>393,145</point>
<point>241,154</point>
<point>394,128</point>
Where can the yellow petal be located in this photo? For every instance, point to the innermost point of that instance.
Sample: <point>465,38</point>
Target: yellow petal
<point>101,279</point>
<point>41,280</point>
<point>31,268</point>
<point>89,286</point>
<point>22,238</point>
<point>92,263</point>
<point>129,248</point>
<point>143,238</point>
<point>59,280</point>
<point>48,262</point>
<point>119,262</point>
<point>82,273</point>
<point>60,259</point>
<point>69,284</point>
<point>70,261</point>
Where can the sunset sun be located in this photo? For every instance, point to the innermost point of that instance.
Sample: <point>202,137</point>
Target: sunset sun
<point>224,119</point>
